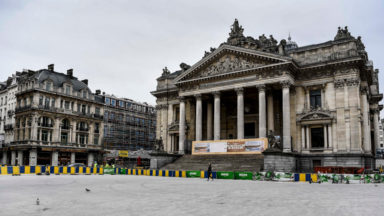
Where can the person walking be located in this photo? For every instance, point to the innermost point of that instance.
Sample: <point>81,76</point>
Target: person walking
<point>209,172</point>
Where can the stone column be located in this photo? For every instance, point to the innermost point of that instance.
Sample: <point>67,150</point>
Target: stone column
<point>182,126</point>
<point>262,112</point>
<point>55,158</point>
<point>73,157</point>
<point>20,158</point>
<point>271,122</point>
<point>168,145</point>
<point>13,158</point>
<point>325,136</point>
<point>73,131</point>
<point>91,159</point>
<point>366,128</point>
<point>216,127</point>
<point>56,129</point>
<point>199,118</point>
<point>330,135</point>
<point>303,137</point>
<point>286,117</point>
<point>5,159</point>
<point>240,113</point>
<point>307,137</point>
<point>376,127</point>
<point>209,121</point>
<point>33,157</point>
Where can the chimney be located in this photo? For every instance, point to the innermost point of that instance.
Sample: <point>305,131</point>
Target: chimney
<point>51,67</point>
<point>98,91</point>
<point>70,73</point>
<point>85,81</point>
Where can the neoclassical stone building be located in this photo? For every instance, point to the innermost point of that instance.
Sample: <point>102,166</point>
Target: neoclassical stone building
<point>58,120</point>
<point>321,100</point>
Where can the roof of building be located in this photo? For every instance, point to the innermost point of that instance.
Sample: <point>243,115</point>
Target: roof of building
<point>59,79</point>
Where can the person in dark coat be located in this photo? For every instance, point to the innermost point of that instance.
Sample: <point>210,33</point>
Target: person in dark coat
<point>209,172</point>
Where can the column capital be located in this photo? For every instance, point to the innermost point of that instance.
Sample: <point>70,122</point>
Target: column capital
<point>181,98</point>
<point>285,83</point>
<point>261,87</point>
<point>239,90</point>
<point>364,89</point>
<point>198,96</point>
<point>216,93</point>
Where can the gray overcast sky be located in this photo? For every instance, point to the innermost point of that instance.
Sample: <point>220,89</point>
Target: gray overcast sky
<point>122,46</point>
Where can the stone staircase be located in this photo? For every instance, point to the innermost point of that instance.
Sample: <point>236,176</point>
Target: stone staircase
<point>219,162</point>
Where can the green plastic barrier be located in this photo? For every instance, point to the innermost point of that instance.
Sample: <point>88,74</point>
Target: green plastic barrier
<point>123,171</point>
<point>258,176</point>
<point>109,171</point>
<point>193,174</point>
<point>243,175</point>
<point>225,175</point>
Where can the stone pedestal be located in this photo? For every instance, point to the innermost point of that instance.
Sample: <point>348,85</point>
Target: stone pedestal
<point>19,158</point>
<point>91,158</point>
<point>13,158</point>
<point>5,158</point>
<point>278,161</point>
<point>73,157</point>
<point>55,159</point>
<point>33,157</point>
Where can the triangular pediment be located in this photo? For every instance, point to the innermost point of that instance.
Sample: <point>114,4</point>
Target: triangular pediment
<point>229,59</point>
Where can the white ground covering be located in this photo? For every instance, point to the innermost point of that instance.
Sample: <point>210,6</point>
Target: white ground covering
<point>145,195</point>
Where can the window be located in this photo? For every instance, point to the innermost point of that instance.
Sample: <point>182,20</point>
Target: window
<point>67,105</point>
<point>97,111</point>
<point>96,128</point>
<point>84,94</point>
<point>113,102</point>
<point>315,97</point>
<point>47,102</point>
<point>67,90</point>
<point>31,100</point>
<point>317,137</point>
<point>83,109</point>
<point>44,135</point>
<point>96,140</point>
<point>53,102</point>
<point>64,138</point>
<point>107,101</point>
<point>106,115</point>
<point>48,86</point>
<point>41,100</point>
<point>121,103</point>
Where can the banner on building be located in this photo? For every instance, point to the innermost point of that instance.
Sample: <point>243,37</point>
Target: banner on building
<point>123,153</point>
<point>241,146</point>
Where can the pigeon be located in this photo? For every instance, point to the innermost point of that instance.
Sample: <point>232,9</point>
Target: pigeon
<point>86,189</point>
<point>37,201</point>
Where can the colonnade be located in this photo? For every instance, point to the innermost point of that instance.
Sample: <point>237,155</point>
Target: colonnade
<point>215,133</point>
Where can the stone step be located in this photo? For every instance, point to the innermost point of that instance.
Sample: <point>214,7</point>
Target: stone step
<point>219,162</point>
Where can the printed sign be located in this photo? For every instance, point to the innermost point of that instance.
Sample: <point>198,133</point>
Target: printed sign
<point>243,146</point>
<point>123,153</point>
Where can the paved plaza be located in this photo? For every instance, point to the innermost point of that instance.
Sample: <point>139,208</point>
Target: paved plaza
<point>145,195</point>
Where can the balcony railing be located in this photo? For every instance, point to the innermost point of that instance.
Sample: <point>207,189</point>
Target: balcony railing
<point>82,129</point>
<point>21,109</point>
<point>8,127</point>
<point>45,125</point>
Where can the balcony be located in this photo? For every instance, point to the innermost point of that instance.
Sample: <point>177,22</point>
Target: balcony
<point>45,125</point>
<point>22,109</point>
<point>84,129</point>
<point>8,127</point>
<point>98,116</point>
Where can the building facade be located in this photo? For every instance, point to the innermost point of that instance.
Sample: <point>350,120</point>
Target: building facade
<point>128,125</point>
<point>58,120</point>
<point>322,100</point>
<point>8,90</point>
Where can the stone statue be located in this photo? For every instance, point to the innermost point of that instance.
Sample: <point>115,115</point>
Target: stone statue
<point>273,144</point>
<point>165,71</point>
<point>159,145</point>
<point>184,66</point>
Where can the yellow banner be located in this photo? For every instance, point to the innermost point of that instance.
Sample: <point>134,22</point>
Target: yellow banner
<point>240,146</point>
<point>123,153</point>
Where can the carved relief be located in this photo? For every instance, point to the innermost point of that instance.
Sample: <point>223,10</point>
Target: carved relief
<point>339,83</point>
<point>352,82</point>
<point>227,64</point>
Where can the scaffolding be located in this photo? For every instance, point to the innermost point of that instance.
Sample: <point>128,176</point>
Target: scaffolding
<point>128,127</point>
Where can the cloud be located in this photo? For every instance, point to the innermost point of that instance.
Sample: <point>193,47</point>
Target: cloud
<point>122,46</point>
